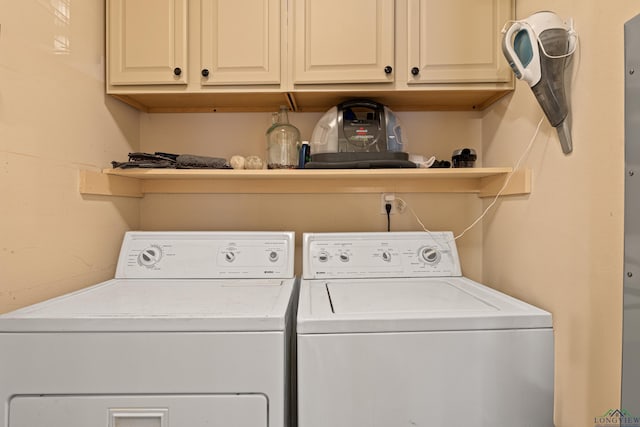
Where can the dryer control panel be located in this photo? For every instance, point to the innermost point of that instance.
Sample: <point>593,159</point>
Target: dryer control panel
<point>370,255</point>
<point>193,255</point>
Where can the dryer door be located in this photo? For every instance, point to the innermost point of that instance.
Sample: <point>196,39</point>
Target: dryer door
<point>249,410</point>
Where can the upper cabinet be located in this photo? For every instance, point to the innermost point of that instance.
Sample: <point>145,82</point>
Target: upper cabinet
<point>456,41</point>
<point>240,42</point>
<point>338,41</point>
<point>254,55</point>
<point>147,48</point>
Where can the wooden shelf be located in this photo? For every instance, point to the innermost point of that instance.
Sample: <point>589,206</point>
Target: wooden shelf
<point>485,182</point>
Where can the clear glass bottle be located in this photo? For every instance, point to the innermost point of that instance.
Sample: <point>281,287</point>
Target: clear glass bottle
<point>283,141</point>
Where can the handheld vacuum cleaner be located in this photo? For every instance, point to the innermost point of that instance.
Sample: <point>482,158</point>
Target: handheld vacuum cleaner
<point>537,49</point>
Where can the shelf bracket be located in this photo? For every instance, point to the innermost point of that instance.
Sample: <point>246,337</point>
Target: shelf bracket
<point>98,183</point>
<point>519,184</point>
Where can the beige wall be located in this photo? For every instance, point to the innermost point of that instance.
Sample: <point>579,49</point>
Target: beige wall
<point>55,120</point>
<point>228,134</point>
<point>561,247</point>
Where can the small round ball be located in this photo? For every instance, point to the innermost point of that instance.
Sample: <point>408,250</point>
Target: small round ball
<point>254,162</point>
<point>237,162</point>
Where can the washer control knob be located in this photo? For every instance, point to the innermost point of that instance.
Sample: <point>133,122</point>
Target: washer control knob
<point>323,256</point>
<point>344,257</point>
<point>273,256</point>
<point>150,256</point>
<point>386,256</point>
<point>230,256</point>
<point>430,255</point>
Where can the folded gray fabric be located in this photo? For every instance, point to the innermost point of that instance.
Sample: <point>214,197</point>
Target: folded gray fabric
<point>190,161</point>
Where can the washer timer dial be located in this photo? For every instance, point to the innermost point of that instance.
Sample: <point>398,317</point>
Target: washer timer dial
<point>429,255</point>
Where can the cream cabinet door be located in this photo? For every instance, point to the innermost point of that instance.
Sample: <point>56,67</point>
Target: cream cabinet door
<point>147,42</point>
<point>240,42</point>
<point>457,41</point>
<point>343,41</point>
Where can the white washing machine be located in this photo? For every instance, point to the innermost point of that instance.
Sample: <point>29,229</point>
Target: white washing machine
<point>194,331</point>
<point>391,334</point>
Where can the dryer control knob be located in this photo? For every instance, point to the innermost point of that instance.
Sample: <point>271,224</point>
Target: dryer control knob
<point>150,256</point>
<point>344,257</point>
<point>230,256</point>
<point>386,256</point>
<point>323,256</point>
<point>273,256</point>
<point>430,255</point>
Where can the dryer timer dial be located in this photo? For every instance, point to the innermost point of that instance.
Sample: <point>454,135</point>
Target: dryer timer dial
<point>323,256</point>
<point>150,256</point>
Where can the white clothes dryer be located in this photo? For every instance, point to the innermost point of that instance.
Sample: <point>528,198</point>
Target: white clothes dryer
<point>194,330</point>
<point>391,334</point>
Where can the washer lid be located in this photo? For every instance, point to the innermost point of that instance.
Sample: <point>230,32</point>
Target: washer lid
<point>161,305</point>
<point>403,305</point>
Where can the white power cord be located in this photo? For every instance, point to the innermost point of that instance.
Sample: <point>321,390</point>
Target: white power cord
<point>498,194</point>
<point>506,181</point>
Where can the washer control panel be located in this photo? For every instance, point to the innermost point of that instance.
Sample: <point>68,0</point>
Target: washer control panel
<point>370,255</point>
<point>192,255</point>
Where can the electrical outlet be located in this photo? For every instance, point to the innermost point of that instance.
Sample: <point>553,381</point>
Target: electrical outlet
<point>388,198</point>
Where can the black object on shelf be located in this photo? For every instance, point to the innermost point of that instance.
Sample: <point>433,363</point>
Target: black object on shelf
<point>360,160</point>
<point>464,158</point>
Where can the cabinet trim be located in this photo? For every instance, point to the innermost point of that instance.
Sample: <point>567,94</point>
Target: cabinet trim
<point>311,101</point>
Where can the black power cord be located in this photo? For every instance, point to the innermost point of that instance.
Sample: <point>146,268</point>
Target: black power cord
<point>387,207</point>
